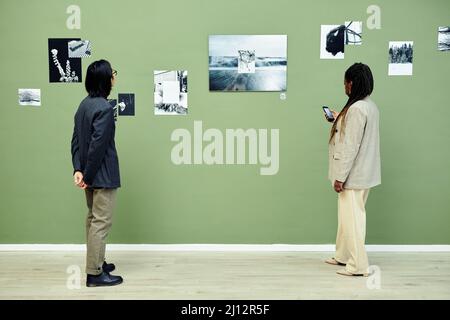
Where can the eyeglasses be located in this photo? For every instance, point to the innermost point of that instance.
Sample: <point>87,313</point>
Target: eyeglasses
<point>114,73</point>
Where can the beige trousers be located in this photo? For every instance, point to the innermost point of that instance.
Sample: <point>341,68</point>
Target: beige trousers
<point>100,203</point>
<point>351,233</point>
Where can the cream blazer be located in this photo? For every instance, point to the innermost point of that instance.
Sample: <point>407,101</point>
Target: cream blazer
<point>354,158</point>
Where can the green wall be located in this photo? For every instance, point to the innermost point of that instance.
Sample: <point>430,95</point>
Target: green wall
<point>164,203</point>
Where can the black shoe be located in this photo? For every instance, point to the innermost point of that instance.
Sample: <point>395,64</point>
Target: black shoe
<point>103,280</point>
<point>108,267</point>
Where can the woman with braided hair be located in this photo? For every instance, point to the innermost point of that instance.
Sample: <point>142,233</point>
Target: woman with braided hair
<point>354,168</point>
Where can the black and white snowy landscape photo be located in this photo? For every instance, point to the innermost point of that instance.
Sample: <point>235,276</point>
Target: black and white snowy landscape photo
<point>170,92</point>
<point>353,33</point>
<point>79,48</point>
<point>126,104</point>
<point>30,97</point>
<point>247,62</point>
<point>444,39</point>
<point>62,68</point>
<point>400,58</point>
<point>332,41</point>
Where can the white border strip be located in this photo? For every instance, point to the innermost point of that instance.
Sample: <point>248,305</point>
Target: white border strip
<point>223,247</point>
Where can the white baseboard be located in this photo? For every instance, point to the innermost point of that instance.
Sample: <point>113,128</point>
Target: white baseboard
<point>224,247</point>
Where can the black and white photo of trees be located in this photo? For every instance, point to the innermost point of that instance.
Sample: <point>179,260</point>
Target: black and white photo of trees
<point>400,58</point>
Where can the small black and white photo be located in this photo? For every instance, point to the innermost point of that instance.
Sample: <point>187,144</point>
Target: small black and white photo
<point>400,58</point>
<point>444,38</point>
<point>126,104</point>
<point>79,48</point>
<point>62,68</point>
<point>353,33</point>
<point>332,41</point>
<point>171,92</point>
<point>29,97</point>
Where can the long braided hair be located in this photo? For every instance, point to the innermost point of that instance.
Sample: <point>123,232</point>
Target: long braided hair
<point>362,86</point>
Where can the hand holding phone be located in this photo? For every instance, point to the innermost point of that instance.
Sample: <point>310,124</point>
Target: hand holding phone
<point>328,114</point>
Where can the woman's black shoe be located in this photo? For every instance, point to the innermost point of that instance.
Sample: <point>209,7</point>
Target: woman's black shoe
<point>108,267</point>
<point>104,279</point>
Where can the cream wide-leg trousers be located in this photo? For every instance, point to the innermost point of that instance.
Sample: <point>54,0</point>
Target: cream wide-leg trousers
<point>351,233</point>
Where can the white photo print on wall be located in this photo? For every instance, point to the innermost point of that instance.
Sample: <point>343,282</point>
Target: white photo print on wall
<point>79,48</point>
<point>353,33</point>
<point>400,58</point>
<point>29,97</point>
<point>170,92</point>
<point>332,41</point>
<point>444,38</point>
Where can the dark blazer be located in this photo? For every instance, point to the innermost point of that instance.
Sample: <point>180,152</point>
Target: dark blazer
<point>93,147</point>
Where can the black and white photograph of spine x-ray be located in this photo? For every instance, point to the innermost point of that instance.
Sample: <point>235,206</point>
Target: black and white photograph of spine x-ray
<point>171,92</point>
<point>247,62</point>
<point>444,38</point>
<point>332,41</point>
<point>62,68</point>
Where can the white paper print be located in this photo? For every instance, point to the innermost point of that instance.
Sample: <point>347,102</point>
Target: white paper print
<point>29,97</point>
<point>353,33</point>
<point>170,92</point>
<point>79,48</point>
<point>400,58</point>
<point>444,39</point>
<point>332,41</point>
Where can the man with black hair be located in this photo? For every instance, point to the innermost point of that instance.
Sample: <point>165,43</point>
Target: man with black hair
<point>96,168</point>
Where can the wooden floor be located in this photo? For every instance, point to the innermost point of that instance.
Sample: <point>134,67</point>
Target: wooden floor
<point>225,275</point>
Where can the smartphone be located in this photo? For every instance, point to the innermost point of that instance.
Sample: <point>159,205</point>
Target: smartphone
<point>328,113</point>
